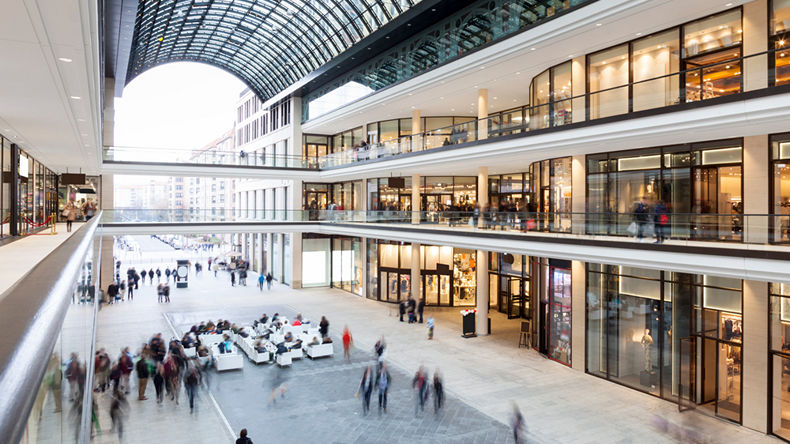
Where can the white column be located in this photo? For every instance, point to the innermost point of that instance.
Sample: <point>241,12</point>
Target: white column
<point>578,315</point>
<point>296,260</point>
<point>755,355</point>
<point>416,203</point>
<point>578,194</point>
<point>415,272</point>
<point>295,146</point>
<point>482,113</point>
<point>363,247</point>
<point>755,40</point>
<point>416,122</point>
<point>755,187</point>
<point>482,191</point>
<point>481,323</point>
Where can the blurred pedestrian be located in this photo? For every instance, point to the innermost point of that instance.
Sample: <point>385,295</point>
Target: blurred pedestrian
<point>438,392</point>
<point>323,327</point>
<point>118,410</point>
<point>420,386</point>
<point>420,308</point>
<point>261,280</point>
<point>243,439</point>
<point>269,279</point>
<point>232,278</point>
<point>383,380</point>
<point>159,382</point>
<point>430,327</point>
<point>518,423</point>
<point>191,382</point>
<point>347,339</point>
<point>366,388</point>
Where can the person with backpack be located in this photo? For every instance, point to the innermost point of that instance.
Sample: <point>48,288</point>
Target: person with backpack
<point>158,275</point>
<point>269,279</point>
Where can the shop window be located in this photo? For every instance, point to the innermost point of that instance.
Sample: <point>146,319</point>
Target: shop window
<point>656,57</point>
<point>559,325</point>
<point>608,79</point>
<point>540,92</point>
<point>780,207</point>
<point>780,25</point>
<point>712,56</point>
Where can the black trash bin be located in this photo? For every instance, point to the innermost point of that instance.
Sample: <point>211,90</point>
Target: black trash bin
<point>468,324</point>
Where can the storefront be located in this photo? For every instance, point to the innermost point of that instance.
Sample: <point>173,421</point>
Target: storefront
<point>437,194</point>
<point>780,186</point>
<point>509,285</point>
<point>29,198</point>
<point>551,184</point>
<point>447,274</point>
<point>80,194</point>
<point>667,334</point>
<point>332,261</point>
<point>701,185</point>
<point>779,381</point>
<point>780,40</point>
<point>511,191</point>
<point>345,196</point>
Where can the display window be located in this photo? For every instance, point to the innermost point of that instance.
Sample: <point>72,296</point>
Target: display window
<point>779,28</point>
<point>779,383</point>
<point>559,325</point>
<point>656,57</point>
<point>700,185</point>
<point>608,77</point>
<point>550,94</point>
<point>711,54</point>
<point>780,200</point>
<point>552,191</point>
<point>674,335</point>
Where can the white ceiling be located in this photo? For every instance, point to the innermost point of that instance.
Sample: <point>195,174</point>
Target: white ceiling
<point>507,68</point>
<point>50,100</point>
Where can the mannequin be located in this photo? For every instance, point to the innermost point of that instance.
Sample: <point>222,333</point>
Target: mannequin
<point>647,346</point>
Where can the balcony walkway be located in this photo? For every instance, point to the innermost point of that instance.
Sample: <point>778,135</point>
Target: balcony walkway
<point>17,258</point>
<point>486,373</point>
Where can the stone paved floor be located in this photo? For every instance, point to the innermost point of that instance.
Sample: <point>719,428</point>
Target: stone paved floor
<point>487,374</point>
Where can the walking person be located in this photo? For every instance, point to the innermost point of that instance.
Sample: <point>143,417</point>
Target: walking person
<point>214,268</point>
<point>517,422</point>
<point>70,213</point>
<point>661,221</point>
<point>420,386</point>
<point>126,364</point>
<point>191,382</point>
<point>166,293</point>
<point>323,327</point>
<point>160,293</point>
<point>159,382</point>
<point>402,309</point>
<point>438,392</point>
<point>261,280</point>
<point>167,274</point>
<point>420,308</point>
<point>130,289</point>
<point>158,275</point>
<point>347,339</point>
<point>243,438</point>
<point>151,276</point>
<point>143,273</point>
<point>430,327</point>
<point>232,278</point>
<point>142,377</point>
<point>366,388</point>
<point>383,380</point>
<point>640,216</point>
<point>269,279</point>
<point>118,409</point>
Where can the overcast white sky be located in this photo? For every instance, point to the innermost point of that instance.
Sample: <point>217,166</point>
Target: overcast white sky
<point>177,105</point>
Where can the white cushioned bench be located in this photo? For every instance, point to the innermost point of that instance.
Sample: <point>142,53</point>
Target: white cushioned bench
<point>320,350</point>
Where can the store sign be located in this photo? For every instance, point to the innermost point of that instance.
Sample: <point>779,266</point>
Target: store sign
<point>72,179</point>
<point>23,166</point>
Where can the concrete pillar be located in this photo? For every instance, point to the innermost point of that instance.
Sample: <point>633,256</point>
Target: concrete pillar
<point>482,192</point>
<point>755,187</point>
<point>416,122</point>
<point>578,301</point>
<point>416,267</point>
<point>108,137</point>
<point>578,194</point>
<point>296,260</point>
<point>362,211</point>
<point>295,147</point>
<point>755,40</point>
<point>107,193</point>
<point>295,201</point>
<point>578,87</point>
<point>107,271</point>
<point>416,202</point>
<point>483,297</point>
<point>755,355</point>
<point>482,114</point>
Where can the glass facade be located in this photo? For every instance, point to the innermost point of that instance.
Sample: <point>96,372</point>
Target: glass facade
<point>550,94</point>
<point>509,285</point>
<point>474,26</point>
<point>5,187</point>
<point>551,184</point>
<point>779,328</point>
<point>780,40</point>
<point>700,184</point>
<point>667,333</point>
<point>780,176</point>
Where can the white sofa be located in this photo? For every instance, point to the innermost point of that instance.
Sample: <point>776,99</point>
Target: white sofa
<point>210,339</point>
<point>283,359</point>
<point>320,350</point>
<point>227,361</point>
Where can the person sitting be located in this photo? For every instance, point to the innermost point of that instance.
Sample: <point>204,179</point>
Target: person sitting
<point>202,351</point>
<point>210,327</point>
<point>243,333</point>
<point>275,316</point>
<point>289,337</point>
<point>188,340</point>
<point>234,328</point>
<point>315,341</point>
<point>297,345</point>
<point>281,348</point>
<point>264,319</point>
<point>296,322</point>
<point>327,340</point>
<point>259,346</point>
<point>194,329</point>
<point>201,328</point>
<point>220,326</point>
<point>226,346</point>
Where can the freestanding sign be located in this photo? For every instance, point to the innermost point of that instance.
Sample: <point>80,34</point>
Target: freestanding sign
<point>182,273</point>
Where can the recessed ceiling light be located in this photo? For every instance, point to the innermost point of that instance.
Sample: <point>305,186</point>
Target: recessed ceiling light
<point>65,59</point>
<point>638,33</point>
<point>728,4</point>
<point>518,73</point>
<point>452,109</point>
<point>532,49</point>
<point>599,24</point>
<point>482,67</point>
<point>80,120</point>
<point>476,86</point>
<point>76,97</point>
<point>411,94</point>
<point>495,97</point>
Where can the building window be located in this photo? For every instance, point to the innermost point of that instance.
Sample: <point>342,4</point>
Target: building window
<point>780,40</point>
<point>607,73</point>
<point>713,45</point>
<point>780,159</point>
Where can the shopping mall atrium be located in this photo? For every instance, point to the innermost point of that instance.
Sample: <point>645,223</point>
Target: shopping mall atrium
<point>553,221</point>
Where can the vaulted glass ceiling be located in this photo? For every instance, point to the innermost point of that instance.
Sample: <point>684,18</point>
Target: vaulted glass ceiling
<point>269,44</point>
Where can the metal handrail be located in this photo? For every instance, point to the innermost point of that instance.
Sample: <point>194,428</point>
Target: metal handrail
<point>32,312</point>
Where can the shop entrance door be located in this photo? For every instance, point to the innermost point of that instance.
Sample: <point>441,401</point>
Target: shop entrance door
<point>686,374</point>
<point>545,209</point>
<point>434,204</point>
<point>515,306</point>
<point>436,288</point>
